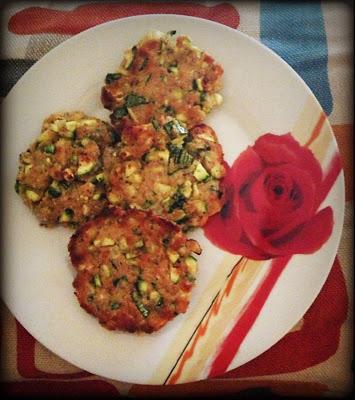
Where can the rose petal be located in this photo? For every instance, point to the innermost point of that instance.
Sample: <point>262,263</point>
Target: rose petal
<point>280,149</point>
<point>226,234</point>
<point>245,168</point>
<point>309,239</point>
<point>263,219</point>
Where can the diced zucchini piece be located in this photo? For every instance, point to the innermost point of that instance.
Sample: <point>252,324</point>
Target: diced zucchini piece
<point>217,171</point>
<point>174,275</point>
<point>197,84</point>
<point>67,215</point>
<point>105,270</point>
<point>161,188</point>
<point>201,206</point>
<point>85,141</point>
<point>173,255</point>
<point>216,99</point>
<point>85,167</point>
<point>156,297</point>
<point>122,244</point>
<point>200,172</point>
<point>27,169</point>
<point>185,158</point>
<point>113,198</point>
<point>49,149</point>
<point>191,263</point>
<point>97,281</point>
<point>99,178</point>
<point>54,127</point>
<point>142,286</point>
<point>130,256</point>
<point>173,70</point>
<point>139,244</point>
<point>46,136</point>
<point>106,241</point>
<point>141,308</point>
<point>206,137</point>
<point>54,190</point>
<point>33,196</point>
<point>156,155</point>
<point>130,169</point>
<point>186,189</point>
<point>177,201</point>
<point>71,125</point>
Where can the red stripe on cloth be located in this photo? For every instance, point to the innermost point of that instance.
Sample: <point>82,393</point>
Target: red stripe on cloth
<point>34,20</point>
<point>26,365</point>
<point>55,388</point>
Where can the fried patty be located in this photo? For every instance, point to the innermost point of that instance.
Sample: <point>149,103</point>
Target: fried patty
<point>162,77</point>
<point>60,175</point>
<point>135,270</point>
<point>170,170</point>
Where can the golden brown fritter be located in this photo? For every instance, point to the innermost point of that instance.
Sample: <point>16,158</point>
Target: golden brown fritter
<point>135,270</point>
<point>60,175</point>
<point>162,77</point>
<point>169,170</point>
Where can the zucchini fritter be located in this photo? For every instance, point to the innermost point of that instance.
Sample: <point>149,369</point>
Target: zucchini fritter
<point>135,270</point>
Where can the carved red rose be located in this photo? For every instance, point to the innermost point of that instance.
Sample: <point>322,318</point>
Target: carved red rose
<point>271,202</point>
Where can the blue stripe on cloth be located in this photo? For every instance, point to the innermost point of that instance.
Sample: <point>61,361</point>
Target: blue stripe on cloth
<point>295,31</point>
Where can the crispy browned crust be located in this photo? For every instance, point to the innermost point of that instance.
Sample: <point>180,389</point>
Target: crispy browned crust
<point>109,278</point>
<point>173,77</point>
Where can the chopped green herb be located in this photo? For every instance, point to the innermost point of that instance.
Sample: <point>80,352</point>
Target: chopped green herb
<point>166,241</point>
<point>144,64</point>
<point>90,297</point>
<point>147,204</point>
<point>133,100</point>
<point>177,201</point>
<point>202,97</point>
<point>183,220</point>
<point>119,280</point>
<point>155,124</point>
<point>54,192</point>
<point>112,77</point>
<point>120,112</point>
<point>115,136</point>
<point>114,305</point>
<point>17,186</point>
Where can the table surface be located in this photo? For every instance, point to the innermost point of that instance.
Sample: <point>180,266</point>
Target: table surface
<point>315,357</point>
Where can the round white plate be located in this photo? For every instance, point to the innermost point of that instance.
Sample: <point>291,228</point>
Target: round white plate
<point>261,94</point>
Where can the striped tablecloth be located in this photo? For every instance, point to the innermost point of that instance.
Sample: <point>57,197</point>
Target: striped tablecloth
<point>315,38</point>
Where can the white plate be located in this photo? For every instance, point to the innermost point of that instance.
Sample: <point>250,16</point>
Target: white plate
<point>262,94</point>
